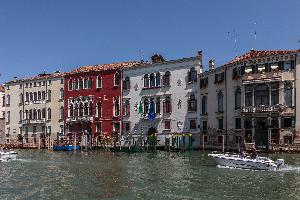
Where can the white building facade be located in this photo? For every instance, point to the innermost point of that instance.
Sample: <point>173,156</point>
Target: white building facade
<point>252,100</point>
<point>161,99</point>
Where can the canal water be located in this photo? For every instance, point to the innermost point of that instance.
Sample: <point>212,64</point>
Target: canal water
<point>105,175</point>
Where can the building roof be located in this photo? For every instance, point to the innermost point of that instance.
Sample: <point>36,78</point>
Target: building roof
<point>2,88</point>
<point>104,67</point>
<point>259,54</point>
<point>38,77</point>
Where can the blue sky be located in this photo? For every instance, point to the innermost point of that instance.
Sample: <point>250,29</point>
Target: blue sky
<point>38,35</point>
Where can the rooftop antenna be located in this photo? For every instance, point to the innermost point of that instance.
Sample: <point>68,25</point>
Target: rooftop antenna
<point>142,54</point>
<point>254,35</point>
<point>234,35</point>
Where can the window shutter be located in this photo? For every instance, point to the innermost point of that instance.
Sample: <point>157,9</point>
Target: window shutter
<point>164,106</point>
<point>189,76</point>
<point>292,64</point>
<point>170,105</point>
<point>189,104</point>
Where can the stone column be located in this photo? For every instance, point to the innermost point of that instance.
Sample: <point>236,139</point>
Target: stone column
<point>253,129</point>
<point>269,132</point>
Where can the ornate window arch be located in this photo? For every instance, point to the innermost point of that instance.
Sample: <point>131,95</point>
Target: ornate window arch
<point>288,94</point>
<point>146,81</point>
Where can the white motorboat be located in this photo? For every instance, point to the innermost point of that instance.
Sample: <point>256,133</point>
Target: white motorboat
<point>236,161</point>
<point>8,155</point>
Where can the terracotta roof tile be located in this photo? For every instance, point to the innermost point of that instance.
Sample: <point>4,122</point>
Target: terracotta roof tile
<point>39,77</point>
<point>104,67</point>
<point>258,54</point>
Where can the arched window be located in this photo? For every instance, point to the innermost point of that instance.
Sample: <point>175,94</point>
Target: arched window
<point>27,97</point>
<point>70,84</point>
<point>86,109</point>
<point>192,75</point>
<point>126,84</point>
<point>274,93</point>
<point>76,110</point>
<point>99,82</point>
<point>248,95</point>
<point>166,78</point>
<point>90,109</point>
<point>127,107</point>
<point>31,96</point>
<point>49,114</point>
<point>167,105</point>
<point>39,114</point>
<point>99,109</point>
<point>21,98</point>
<point>146,106</point>
<point>61,93</point>
<point>237,98</point>
<point>71,111</point>
<point>43,113</point>
<point>81,83</point>
<point>220,102</point>
<point>117,79</point>
<point>76,85</point>
<point>21,115</point>
<point>8,99</point>
<point>157,79</point>
<point>26,114</point>
<point>288,94</point>
<point>43,95</point>
<point>34,114</point>
<point>49,95</point>
<point>204,105</point>
<point>146,81</point>
<point>192,103</point>
<point>61,112</point>
<point>81,109</point>
<point>35,96</point>
<point>39,95</point>
<point>30,114</point>
<point>261,95</point>
<point>157,105</point>
<point>116,106</point>
<point>152,80</point>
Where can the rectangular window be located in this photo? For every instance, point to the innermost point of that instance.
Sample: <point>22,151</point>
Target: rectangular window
<point>205,138</point>
<point>34,129</point>
<point>49,130</point>
<point>167,125</point>
<point>220,139</point>
<point>116,127</point>
<point>8,117</point>
<point>220,123</point>
<point>287,122</point>
<point>61,129</point>
<point>99,127</point>
<point>238,122</point>
<point>204,126</point>
<point>193,124</point>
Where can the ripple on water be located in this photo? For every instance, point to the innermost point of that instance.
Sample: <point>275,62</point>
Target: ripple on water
<point>106,175</point>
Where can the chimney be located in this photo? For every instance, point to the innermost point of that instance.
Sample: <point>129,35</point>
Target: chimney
<point>15,78</point>
<point>200,60</point>
<point>211,64</point>
<point>156,58</point>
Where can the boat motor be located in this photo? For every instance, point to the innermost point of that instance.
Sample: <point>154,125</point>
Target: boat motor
<point>279,162</point>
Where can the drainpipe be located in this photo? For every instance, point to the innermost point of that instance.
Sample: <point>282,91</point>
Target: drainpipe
<point>226,131</point>
<point>295,102</point>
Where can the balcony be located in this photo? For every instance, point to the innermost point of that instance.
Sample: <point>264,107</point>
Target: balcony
<point>80,119</point>
<point>262,109</point>
<point>145,116</point>
<point>33,121</point>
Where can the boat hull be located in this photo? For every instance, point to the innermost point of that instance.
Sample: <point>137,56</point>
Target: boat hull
<point>243,163</point>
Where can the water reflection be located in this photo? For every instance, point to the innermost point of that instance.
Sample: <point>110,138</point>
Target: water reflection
<point>107,175</point>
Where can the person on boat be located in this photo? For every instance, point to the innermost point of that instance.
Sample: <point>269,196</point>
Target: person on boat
<point>254,153</point>
<point>242,154</point>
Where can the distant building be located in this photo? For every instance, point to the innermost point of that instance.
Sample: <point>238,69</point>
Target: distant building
<point>161,99</point>
<point>251,99</point>
<point>2,115</point>
<point>93,103</point>
<point>34,109</point>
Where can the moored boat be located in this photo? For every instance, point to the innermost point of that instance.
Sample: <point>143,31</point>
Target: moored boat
<point>6,155</point>
<point>236,161</point>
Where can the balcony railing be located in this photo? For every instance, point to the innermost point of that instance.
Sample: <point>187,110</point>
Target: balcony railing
<point>79,118</point>
<point>33,121</point>
<point>262,109</point>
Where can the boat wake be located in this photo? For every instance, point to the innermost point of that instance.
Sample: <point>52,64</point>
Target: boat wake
<point>286,168</point>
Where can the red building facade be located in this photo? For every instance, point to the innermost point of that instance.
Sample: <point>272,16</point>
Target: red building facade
<point>93,96</point>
